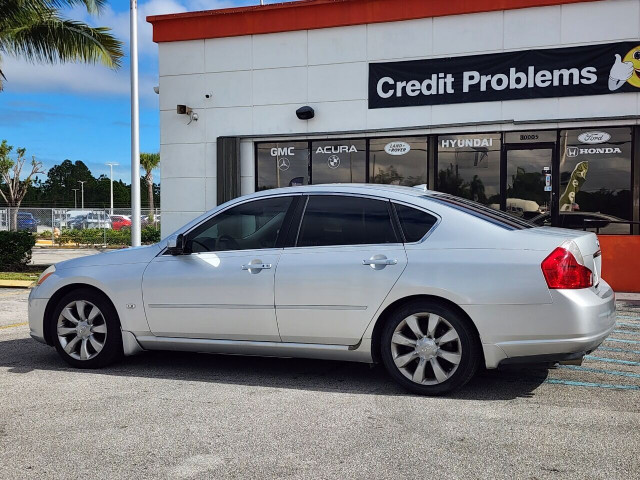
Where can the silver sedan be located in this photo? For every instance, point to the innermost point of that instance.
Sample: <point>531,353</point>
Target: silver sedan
<point>430,285</point>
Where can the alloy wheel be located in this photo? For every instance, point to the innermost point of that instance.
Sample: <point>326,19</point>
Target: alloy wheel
<point>426,348</point>
<point>82,330</point>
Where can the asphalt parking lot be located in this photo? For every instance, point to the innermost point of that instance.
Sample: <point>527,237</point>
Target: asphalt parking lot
<point>173,415</point>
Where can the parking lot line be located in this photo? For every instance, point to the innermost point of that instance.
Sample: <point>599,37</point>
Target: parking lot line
<point>14,325</point>
<point>622,340</point>
<point>620,350</point>
<point>612,360</point>
<point>591,384</point>
<point>599,370</point>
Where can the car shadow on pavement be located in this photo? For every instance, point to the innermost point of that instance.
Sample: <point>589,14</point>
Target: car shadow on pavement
<point>25,355</point>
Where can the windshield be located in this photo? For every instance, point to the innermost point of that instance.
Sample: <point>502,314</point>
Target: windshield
<point>491,215</point>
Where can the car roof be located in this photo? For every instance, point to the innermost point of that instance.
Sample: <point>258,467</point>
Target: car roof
<point>384,190</point>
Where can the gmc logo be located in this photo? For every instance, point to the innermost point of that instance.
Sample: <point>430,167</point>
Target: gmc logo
<point>282,151</point>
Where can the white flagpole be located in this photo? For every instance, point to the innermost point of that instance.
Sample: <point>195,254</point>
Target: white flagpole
<point>135,131</point>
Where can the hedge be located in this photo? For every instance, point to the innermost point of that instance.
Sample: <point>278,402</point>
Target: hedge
<point>15,250</point>
<point>98,236</point>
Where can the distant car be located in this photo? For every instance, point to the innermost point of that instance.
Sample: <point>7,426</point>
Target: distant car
<point>26,221</point>
<point>589,221</point>
<point>119,222</point>
<point>430,285</point>
<point>90,220</point>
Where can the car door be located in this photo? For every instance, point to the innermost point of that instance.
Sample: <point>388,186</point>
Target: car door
<point>223,287</point>
<point>344,260</point>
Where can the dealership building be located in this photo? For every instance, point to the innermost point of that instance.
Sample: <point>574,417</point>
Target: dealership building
<point>530,106</point>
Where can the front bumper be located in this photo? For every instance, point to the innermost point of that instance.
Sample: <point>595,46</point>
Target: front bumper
<point>37,308</point>
<point>575,323</point>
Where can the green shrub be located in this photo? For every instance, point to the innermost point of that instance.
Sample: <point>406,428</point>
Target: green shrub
<point>150,234</point>
<point>46,234</point>
<point>98,236</point>
<point>15,250</point>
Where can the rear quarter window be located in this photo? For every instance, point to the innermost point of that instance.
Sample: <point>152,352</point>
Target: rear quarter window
<point>415,223</point>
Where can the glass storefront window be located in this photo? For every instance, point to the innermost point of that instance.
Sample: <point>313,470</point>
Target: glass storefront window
<point>338,161</point>
<point>282,164</point>
<point>469,167</point>
<point>398,161</point>
<point>595,176</point>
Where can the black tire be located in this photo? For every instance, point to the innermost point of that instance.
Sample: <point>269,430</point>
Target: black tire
<point>469,348</point>
<point>111,351</point>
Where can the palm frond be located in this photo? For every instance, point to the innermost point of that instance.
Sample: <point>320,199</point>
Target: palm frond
<point>52,39</point>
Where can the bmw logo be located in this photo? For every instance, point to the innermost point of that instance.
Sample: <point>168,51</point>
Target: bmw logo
<point>333,161</point>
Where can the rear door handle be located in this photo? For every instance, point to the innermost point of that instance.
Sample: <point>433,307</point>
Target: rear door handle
<point>378,262</point>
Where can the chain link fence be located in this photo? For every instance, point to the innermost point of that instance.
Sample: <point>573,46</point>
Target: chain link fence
<point>80,227</point>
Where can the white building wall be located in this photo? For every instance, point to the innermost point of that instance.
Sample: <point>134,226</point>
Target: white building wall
<point>257,82</point>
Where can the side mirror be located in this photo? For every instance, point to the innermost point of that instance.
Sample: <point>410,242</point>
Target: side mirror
<point>175,244</point>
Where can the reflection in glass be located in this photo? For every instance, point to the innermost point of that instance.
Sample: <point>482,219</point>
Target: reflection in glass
<point>596,177</point>
<point>526,181</point>
<point>338,161</point>
<point>398,161</point>
<point>469,167</point>
<point>284,164</point>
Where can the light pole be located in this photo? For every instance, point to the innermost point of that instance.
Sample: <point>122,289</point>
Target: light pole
<point>82,182</point>
<point>75,197</point>
<point>111,165</point>
<point>135,131</point>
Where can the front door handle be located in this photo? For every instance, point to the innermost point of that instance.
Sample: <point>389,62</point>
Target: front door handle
<point>378,262</point>
<point>256,266</point>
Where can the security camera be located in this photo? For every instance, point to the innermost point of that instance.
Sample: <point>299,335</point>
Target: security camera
<point>208,95</point>
<point>305,113</point>
<point>156,89</point>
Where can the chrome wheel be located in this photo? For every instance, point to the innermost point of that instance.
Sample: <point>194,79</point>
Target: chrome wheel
<point>82,330</point>
<point>426,348</point>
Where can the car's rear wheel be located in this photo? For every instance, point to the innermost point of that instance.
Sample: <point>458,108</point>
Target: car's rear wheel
<point>429,348</point>
<point>87,330</point>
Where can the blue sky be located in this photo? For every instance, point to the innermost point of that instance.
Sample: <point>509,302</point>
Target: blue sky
<point>81,112</point>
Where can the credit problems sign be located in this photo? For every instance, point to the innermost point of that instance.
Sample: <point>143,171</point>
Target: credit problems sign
<point>544,73</point>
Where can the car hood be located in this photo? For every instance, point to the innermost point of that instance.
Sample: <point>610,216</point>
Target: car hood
<point>116,257</point>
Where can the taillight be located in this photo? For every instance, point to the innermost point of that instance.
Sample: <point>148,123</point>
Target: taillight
<point>562,270</point>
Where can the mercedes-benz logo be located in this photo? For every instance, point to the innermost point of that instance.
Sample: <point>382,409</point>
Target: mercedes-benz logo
<point>284,164</point>
<point>333,161</point>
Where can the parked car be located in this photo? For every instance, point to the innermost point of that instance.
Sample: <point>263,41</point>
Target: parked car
<point>26,221</point>
<point>430,285</point>
<point>591,221</point>
<point>90,220</point>
<point>119,222</point>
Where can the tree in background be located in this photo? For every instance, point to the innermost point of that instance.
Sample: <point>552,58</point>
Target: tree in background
<point>34,30</point>
<point>12,189</point>
<point>149,161</point>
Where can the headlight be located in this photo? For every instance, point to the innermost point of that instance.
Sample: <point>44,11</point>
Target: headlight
<point>44,275</point>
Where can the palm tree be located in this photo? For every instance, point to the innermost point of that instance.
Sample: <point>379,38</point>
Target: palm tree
<point>34,30</point>
<point>149,161</point>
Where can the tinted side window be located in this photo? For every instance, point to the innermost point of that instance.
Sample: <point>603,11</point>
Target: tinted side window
<point>337,220</point>
<point>415,223</point>
<point>251,225</point>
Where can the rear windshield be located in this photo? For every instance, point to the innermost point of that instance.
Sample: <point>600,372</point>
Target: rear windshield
<point>491,215</point>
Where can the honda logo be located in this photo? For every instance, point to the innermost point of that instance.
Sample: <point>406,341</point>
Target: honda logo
<point>572,151</point>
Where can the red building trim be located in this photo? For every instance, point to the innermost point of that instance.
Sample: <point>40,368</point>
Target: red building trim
<point>313,14</point>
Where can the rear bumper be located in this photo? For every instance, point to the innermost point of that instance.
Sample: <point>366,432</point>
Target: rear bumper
<point>576,322</point>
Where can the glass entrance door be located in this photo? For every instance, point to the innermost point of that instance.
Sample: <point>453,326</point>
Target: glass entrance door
<point>527,192</point>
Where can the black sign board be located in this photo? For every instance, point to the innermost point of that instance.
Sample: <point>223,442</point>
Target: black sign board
<point>554,72</point>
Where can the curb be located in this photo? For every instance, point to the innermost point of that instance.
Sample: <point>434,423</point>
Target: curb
<point>15,284</point>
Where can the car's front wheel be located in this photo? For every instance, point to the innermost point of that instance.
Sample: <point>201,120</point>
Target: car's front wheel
<point>429,348</point>
<point>87,330</point>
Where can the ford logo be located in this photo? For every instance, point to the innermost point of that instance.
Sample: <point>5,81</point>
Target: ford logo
<point>397,148</point>
<point>594,137</point>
